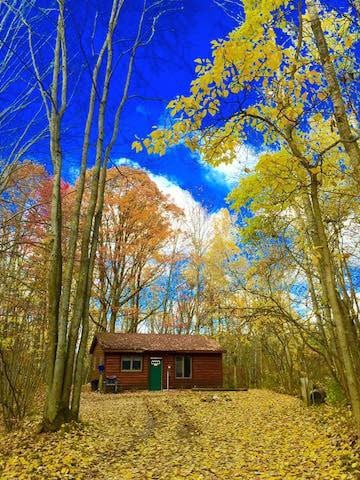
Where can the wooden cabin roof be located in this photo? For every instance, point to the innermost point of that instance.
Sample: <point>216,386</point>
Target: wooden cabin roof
<point>155,342</point>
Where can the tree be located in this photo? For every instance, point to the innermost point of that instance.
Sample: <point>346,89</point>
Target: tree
<point>69,288</point>
<point>253,83</point>
<point>220,258</point>
<point>136,227</point>
<point>18,132</point>
<point>23,252</point>
<point>347,137</point>
<point>197,237</point>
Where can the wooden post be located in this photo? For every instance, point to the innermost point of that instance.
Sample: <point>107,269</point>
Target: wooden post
<point>101,382</point>
<point>101,369</point>
<point>304,390</point>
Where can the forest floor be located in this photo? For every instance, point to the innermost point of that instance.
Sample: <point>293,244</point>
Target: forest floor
<point>188,435</point>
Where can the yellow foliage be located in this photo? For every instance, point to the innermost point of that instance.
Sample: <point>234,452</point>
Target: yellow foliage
<point>287,83</point>
<point>137,146</point>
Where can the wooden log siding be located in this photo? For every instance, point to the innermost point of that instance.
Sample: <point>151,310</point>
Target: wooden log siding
<point>127,380</point>
<point>206,370</point>
<point>205,352</point>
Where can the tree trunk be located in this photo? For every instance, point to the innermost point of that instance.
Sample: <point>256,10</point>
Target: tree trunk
<point>68,343</point>
<point>346,136</point>
<point>347,343</point>
<point>57,337</point>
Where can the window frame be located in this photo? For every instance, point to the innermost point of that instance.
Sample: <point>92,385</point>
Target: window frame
<point>131,358</point>
<point>183,367</point>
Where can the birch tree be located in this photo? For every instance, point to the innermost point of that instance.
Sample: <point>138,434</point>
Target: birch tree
<point>69,288</point>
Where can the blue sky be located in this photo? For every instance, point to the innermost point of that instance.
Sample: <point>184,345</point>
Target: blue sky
<point>165,70</point>
<point>162,70</point>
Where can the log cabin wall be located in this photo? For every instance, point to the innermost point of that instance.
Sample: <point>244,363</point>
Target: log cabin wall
<point>127,380</point>
<point>207,370</point>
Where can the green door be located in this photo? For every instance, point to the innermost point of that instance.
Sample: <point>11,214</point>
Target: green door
<point>155,374</point>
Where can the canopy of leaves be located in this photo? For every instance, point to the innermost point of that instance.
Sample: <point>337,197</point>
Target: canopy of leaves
<point>265,78</point>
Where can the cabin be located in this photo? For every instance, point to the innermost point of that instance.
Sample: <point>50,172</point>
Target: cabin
<point>157,361</point>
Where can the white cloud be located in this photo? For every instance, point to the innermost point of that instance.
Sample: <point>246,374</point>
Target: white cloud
<point>127,162</point>
<point>178,195</point>
<point>231,173</point>
<point>181,197</point>
<point>197,221</point>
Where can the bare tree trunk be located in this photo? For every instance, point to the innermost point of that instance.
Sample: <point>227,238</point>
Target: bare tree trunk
<point>345,331</point>
<point>94,214</point>
<point>346,136</point>
<point>68,338</point>
<point>81,354</point>
<point>321,309</point>
<point>88,233</point>
<point>348,344</point>
<point>57,338</point>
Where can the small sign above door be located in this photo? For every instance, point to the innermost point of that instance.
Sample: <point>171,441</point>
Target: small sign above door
<point>155,363</point>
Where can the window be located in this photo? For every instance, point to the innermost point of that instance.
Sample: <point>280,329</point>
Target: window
<point>183,367</point>
<point>131,363</point>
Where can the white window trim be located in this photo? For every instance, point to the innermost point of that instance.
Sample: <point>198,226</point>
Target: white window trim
<point>131,358</point>
<point>183,360</point>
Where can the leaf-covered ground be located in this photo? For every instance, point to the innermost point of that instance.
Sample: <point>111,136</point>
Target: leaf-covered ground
<point>188,435</point>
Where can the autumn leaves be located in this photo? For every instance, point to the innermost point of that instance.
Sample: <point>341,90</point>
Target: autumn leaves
<point>176,435</point>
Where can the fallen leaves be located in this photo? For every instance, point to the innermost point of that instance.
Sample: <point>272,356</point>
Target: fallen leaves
<point>181,435</point>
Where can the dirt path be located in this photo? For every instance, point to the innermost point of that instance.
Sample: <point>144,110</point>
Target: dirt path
<point>187,435</point>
